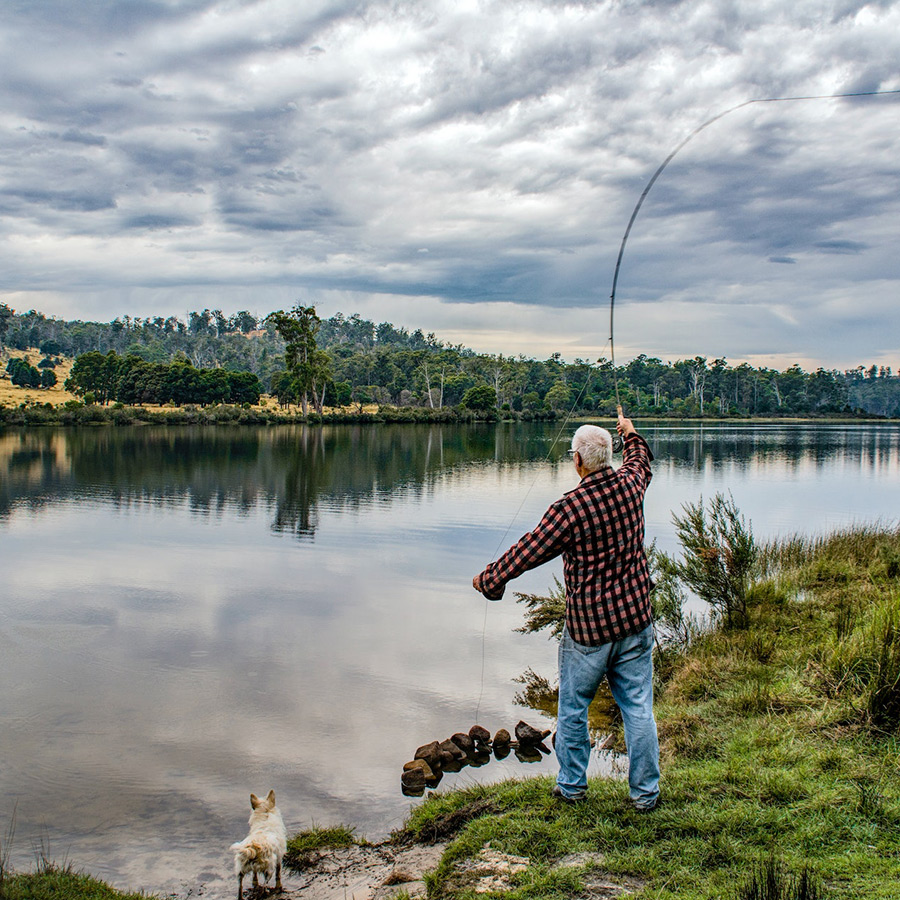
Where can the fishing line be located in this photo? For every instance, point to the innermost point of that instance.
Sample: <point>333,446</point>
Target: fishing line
<point>515,516</point>
<point>612,302</point>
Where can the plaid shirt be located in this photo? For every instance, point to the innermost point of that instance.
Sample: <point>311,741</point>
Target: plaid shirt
<point>599,529</point>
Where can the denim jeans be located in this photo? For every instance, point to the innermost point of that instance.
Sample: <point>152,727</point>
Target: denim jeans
<point>628,666</point>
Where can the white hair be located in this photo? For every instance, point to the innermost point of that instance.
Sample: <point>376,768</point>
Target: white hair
<point>594,446</point>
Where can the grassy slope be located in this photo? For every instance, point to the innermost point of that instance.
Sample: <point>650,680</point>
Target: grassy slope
<point>768,748</point>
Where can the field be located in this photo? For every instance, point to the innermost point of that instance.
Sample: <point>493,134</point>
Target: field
<point>10,395</point>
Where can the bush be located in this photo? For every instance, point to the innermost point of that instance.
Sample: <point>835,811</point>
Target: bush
<point>719,556</point>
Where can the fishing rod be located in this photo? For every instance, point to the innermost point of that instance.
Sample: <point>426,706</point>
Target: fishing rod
<point>617,442</point>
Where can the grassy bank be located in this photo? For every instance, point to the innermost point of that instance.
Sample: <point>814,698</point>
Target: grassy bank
<point>780,745</point>
<point>779,741</point>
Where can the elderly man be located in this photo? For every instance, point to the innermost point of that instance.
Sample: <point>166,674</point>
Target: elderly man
<point>599,529</point>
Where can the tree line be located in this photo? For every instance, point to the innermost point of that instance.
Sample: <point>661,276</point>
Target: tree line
<point>312,362</point>
<point>101,378</point>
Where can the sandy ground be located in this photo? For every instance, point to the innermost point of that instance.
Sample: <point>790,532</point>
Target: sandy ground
<point>381,871</point>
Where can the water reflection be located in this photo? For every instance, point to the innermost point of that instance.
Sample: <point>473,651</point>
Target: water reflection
<point>294,470</point>
<point>290,469</point>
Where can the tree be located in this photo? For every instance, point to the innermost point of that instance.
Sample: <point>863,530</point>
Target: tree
<point>23,374</point>
<point>94,373</point>
<point>6,315</point>
<point>481,398</point>
<point>559,396</point>
<point>298,329</point>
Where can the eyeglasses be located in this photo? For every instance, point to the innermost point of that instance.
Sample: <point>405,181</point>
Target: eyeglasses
<point>571,452</point>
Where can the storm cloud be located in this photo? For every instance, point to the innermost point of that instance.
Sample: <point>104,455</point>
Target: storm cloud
<point>467,168</point>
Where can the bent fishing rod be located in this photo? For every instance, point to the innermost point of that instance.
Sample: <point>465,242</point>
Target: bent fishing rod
<point>659,171</point>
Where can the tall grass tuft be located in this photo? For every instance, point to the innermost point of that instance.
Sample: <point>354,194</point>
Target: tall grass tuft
<point>769,881</point>
<point>867,663</point>
<point>6,849</point>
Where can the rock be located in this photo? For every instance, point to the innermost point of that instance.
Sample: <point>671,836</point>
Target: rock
<point>463,741</point>
<point>412,782</point>
<point>480,735</point>
<point>502,738</point>
<point>525,734</point>
<point>449,746</point>
<point>419,764</point>
<point>431,753</point>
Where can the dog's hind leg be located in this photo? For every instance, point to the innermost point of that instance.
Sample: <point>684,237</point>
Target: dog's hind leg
<point>240,886</point>
<point>278,875</point>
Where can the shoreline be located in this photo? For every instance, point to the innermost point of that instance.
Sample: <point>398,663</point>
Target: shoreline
<point>73,414</point>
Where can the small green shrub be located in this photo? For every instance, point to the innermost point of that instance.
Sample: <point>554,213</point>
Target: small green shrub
<point>719,556</point>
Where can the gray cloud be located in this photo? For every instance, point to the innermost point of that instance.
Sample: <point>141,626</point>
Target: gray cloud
<point>316,152</point>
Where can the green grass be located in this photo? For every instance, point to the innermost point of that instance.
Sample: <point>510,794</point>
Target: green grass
<point>302,849</point>
<point>780,747</point>
<point>52,882</point>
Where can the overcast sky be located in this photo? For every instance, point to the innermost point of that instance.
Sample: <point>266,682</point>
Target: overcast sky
<point>463,167</point>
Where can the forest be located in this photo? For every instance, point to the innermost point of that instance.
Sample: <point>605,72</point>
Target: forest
<point>351,360</point>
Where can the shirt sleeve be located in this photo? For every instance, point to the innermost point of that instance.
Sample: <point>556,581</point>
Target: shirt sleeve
<point>549,538</point>
<point>636,459</point>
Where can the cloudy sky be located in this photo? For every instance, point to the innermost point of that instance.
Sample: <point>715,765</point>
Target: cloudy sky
<point>463,166</point>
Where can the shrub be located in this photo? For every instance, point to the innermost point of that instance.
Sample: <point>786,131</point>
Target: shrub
<point>719,556</point>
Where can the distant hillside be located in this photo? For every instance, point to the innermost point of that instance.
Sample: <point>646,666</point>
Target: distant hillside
<point>385,364</point>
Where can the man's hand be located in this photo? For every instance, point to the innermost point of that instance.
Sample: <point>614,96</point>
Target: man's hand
<point>625,426</point>
<point>476,583</point>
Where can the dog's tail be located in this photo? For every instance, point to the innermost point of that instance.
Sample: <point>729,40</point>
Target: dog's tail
<point>251,854</point>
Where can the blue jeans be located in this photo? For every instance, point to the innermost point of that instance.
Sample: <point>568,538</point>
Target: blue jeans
<point>628,666</point>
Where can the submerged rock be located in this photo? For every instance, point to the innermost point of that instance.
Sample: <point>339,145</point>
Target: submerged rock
<point>450,747</point>
<point>412,782</point>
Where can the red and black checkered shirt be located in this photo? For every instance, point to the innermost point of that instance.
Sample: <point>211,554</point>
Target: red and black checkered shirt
<point>599,529</point>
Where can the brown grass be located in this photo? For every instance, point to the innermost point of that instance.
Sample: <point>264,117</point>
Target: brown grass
<point>10,395</point>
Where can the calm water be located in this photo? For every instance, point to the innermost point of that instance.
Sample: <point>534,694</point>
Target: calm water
<point>190,615</point>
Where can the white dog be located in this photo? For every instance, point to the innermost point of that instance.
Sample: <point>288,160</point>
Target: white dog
<point>262,850</point>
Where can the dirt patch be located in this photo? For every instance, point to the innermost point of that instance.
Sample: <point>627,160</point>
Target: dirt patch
<point>371,872</point>
<point>446,826</point>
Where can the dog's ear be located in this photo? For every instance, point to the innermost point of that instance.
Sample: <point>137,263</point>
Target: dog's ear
<point>254,801</point>
<point>270,798</point>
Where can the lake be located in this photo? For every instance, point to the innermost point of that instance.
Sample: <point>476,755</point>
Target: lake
<point>191,614</point>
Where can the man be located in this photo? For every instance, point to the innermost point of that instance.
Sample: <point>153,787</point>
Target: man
<point>599,529</point>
